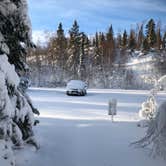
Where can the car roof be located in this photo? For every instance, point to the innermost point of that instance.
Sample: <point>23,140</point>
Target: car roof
<point>75,81</point>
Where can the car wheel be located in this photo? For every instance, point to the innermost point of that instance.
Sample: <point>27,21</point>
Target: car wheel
<point>67,93</point>
<point>83,93</point>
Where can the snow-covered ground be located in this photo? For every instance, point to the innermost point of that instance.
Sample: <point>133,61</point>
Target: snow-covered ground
<point>77,131</point>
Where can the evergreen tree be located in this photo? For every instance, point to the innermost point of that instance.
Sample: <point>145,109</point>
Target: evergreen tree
<point>145,45</point>
<point>124,39</point>
<point>119,41</point>
<point>164,41</point>
<point>17,34</point>
<point>110,46</point>
<point>96,40</point>
<point>102,48</point>
<point>83,56</point>
<point>140,38</point>
<point>158,40</point>
<point>16,109</point>
<point>101,39</point>
<point>61,51</point>
<point>110,34</point>
<point>132,40</point>
<point>74,49</point>
<point>150,33</point>
<point>96,56</point>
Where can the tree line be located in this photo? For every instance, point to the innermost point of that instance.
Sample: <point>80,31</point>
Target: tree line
<point>78,56</point>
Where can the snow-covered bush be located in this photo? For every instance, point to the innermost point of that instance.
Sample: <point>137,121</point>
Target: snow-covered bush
<point>156,126</point>
<point>148,108</point>
<point>161,83</point>
<point>156,133</point>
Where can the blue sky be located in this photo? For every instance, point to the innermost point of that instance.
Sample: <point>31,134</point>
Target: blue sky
<point>94,15</point>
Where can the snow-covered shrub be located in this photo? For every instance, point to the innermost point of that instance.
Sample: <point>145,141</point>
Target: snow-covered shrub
<point>156,133</point>
<point>161,83</point>
<point>148,108</point>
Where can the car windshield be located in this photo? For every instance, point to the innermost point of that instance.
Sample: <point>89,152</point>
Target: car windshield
<point>76,84</point>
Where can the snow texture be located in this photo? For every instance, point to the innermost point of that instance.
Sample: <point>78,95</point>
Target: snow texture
<point>77,131</point>
<point>9,71</point>
<point>156,127</point>
<point>76,84</point>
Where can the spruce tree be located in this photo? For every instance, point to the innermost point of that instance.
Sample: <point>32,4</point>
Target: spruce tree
<point>102,48</point>
<point>16,32</point>
<point>96,55</point>
<point>132,40</point>
<point>110,45</point>
<point>145,45</point>
<point>110,34</point>
<point>83,56</point>
<point>158,39</point>
<point>150,33</point>
<point>16,109</point>
<point>140,38</point>
<point>96,40</point>
<point>119,41</point>
<point>124,39</point>
<point>61,51</point>
<point>74,49</point>
<point>164,41</point>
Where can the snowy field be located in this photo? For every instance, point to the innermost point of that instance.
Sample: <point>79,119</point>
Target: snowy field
<point>77,131</point>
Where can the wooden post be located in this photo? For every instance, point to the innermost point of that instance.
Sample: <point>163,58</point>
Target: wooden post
<point>112,110</point>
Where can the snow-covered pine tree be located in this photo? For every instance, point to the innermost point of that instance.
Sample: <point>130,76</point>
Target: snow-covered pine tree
<point>150,33</point>
<point>83,57</point>
<point>132,40</point>
<point>124,39</point>
<point>158,37</point>
<point>74,49</point>
<point>60,51</point>
<point>164,41</point>
<point>140,37</point>
<point>16,109</point>
<point>110,46</point>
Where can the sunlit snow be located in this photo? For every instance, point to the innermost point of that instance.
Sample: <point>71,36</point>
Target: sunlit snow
<point>77,131</point>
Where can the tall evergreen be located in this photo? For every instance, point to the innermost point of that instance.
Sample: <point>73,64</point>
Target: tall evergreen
<point>16,109</point>
<point>132,40</point>
<point>164,41</point>
<point>17,34</point>
<point>74,48</point>
<point>96,40</point>
<point>102,47</point>
<point>145,45</point>
<point>110,34</point>
<point>124,39</point>
<point>110,45</point>
<point>83,56</point>
<point>150,33</point>
<point>140,37</point>
<point>61,47</point>
<point>158,39</point>
<point>119,41</point>
<point>96,56</point>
